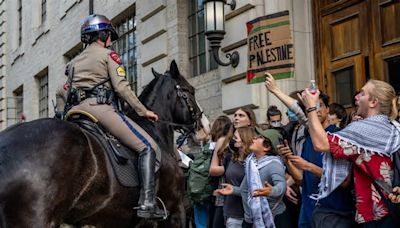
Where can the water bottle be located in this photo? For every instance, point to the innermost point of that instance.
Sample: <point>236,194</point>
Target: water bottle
<point>313,87</point>
<point>313,90</point>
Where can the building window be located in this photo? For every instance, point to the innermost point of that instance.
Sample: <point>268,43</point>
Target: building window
<point>19,9</point>
<point>44,10</point>
<point>43,96</point>
<point>73,52</point>
<point>15,107</point>
<point>126,48</point>
<point>345,86</point>
<point>393,69</point>
<point>200,57</point>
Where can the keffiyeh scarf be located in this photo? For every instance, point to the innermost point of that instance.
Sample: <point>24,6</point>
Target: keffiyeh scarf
<point>376,134</point>
<point>260,210</point>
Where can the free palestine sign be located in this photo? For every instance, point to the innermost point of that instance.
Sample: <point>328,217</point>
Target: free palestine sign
<point>270,47</point>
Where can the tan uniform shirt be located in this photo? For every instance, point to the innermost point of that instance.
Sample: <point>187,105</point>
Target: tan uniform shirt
<point>95,64</point>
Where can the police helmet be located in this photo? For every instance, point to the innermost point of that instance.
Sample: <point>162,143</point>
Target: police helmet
<point>97,26</point>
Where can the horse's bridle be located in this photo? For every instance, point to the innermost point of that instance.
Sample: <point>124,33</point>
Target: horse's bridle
<point>196,116</point>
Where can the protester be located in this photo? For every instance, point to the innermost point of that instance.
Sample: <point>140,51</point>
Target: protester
<point>292,117</point>
<point>233,207</point>
<point>244,117</point>
<point>221,133</point>
<point>262,203</point>
<point>337,115</point>
<point>352,116</point>
<point>367,144</point>
<point>272,173</point>
<point>274,116</point>
<point>293,131</point>
<point>305,166</point>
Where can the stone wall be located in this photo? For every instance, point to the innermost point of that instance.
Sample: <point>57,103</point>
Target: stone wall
<point>162,36</point>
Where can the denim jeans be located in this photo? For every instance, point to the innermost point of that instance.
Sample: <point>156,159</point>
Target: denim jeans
<point>200,215</point>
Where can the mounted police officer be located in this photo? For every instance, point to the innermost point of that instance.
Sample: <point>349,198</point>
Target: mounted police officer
<point>98,76</point>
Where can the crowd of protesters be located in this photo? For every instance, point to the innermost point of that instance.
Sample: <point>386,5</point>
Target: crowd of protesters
<point>318,170</point>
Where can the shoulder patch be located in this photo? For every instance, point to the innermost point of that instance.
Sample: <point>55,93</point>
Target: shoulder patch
<point>65,86</point>
<point>114,56</point>
<point>121,71</point>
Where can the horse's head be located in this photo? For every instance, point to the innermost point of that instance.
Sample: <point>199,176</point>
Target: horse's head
<point>172,97</point>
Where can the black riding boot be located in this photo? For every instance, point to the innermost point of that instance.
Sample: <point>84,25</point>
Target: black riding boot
<point>147,204</point>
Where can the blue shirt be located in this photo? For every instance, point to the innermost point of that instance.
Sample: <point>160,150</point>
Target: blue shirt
<point>340,199</point>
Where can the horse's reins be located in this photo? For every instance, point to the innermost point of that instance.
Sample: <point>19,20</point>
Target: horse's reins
<point>175,124</point>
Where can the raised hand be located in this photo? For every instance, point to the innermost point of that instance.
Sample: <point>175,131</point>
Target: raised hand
<point>309,99</point>
<point>270,83</point>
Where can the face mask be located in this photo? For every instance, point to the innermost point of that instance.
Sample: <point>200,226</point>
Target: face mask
<point>232,146</point>
<point>276,124</point>
<point>292,116</point>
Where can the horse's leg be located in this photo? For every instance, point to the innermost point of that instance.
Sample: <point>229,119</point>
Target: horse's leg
<point>171,190</point>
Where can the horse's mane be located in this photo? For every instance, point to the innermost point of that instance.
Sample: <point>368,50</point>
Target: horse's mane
<point>150,94</point>
<point>146,95</point>
<point>148,89</point>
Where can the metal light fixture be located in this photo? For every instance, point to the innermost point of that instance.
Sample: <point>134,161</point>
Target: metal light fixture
<point>215,30</point>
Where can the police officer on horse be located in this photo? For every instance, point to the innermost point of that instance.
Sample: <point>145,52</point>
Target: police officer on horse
<point>98,78</point>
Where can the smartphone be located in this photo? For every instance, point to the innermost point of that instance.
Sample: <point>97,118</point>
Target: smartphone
<point>384,186</point>
<point>281,141</point>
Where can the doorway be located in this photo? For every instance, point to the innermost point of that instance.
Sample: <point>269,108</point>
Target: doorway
<point>356,40</point>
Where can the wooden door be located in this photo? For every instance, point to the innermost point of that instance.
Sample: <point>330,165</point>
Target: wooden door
<point>386,28</point>
<point>356,40</point>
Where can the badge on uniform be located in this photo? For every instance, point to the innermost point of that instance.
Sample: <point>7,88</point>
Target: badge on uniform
<point>114,56</point>
<point>66,86</point>
<point>121,71</point>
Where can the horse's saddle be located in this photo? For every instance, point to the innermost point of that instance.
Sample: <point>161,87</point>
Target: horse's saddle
<point>123,161</point>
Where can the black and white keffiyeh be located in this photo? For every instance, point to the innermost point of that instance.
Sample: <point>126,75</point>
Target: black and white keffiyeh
<point>376,134</point>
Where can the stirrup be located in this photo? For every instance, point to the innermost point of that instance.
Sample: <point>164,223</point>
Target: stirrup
<point>152,215</point>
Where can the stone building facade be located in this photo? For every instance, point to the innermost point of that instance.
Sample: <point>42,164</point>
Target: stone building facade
<point>38,38</point>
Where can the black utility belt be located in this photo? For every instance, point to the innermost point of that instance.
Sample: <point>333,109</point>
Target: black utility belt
<point>102,95</point>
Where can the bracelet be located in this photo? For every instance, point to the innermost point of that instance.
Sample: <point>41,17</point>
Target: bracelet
<point>311,109</point>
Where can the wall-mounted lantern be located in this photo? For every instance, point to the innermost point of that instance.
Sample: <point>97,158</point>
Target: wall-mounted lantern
<point>215,29</point>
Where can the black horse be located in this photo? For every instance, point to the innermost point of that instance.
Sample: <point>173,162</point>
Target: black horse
<point>52,173</point>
